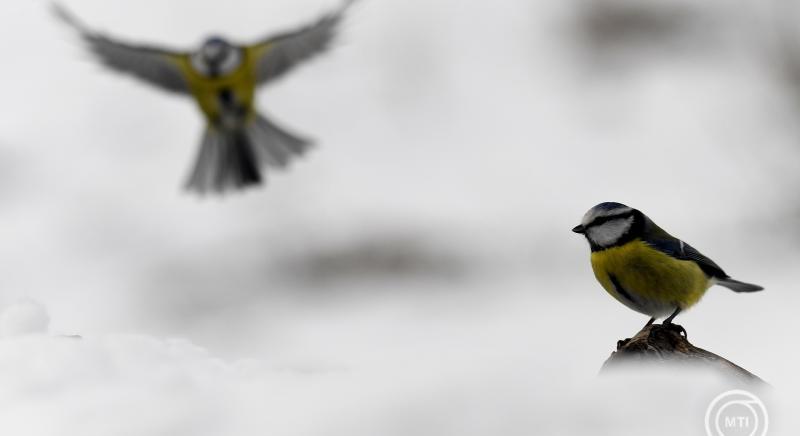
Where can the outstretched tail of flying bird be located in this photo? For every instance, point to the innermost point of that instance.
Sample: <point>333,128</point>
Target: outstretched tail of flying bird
<point>232,158</point>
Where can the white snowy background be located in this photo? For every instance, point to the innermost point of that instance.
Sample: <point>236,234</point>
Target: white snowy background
<point>415,274</point>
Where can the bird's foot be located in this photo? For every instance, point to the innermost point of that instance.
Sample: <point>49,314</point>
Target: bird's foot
<point>676,328</point>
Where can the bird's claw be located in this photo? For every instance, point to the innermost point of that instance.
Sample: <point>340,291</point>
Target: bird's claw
<point>676,328</point>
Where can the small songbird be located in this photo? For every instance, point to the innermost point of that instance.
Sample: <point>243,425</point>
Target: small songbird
<point>238,143</point>
<point>646,268</point>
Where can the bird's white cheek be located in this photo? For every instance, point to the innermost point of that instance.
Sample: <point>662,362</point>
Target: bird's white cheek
<point>609,233</point>
<point>231,62</point>
<point>199,65</point>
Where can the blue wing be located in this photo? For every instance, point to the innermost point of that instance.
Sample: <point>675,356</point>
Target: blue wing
<point>680,250</point>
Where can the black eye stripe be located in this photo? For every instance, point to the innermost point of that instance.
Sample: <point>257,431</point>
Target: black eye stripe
<point>604,219</point>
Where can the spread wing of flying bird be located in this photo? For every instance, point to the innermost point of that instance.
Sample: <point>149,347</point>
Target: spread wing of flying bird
<point>157,66</point>
<point>279,53</point>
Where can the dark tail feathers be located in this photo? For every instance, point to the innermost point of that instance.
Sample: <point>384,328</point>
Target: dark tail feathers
<point>231,159</point>
<point>737,286</point>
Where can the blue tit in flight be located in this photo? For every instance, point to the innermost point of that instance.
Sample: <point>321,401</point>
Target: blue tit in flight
<point>644,267</point>
<point>239,143</point>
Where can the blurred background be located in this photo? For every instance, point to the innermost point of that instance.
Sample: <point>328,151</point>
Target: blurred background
<point>414,273</point>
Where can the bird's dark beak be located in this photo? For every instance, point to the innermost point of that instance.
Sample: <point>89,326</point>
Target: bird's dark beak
<point>579,229</point>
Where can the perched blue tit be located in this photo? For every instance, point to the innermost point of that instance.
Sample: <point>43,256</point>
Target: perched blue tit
<point>646,268</point>
<point>239,143</point>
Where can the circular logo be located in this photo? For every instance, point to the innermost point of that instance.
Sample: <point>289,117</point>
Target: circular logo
<point>736,413</point>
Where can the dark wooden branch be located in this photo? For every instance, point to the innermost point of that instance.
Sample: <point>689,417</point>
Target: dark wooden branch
<point>667,344</point>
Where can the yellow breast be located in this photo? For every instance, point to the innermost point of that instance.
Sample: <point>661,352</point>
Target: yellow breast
<point>652,282</point>
<point>206,90</point>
